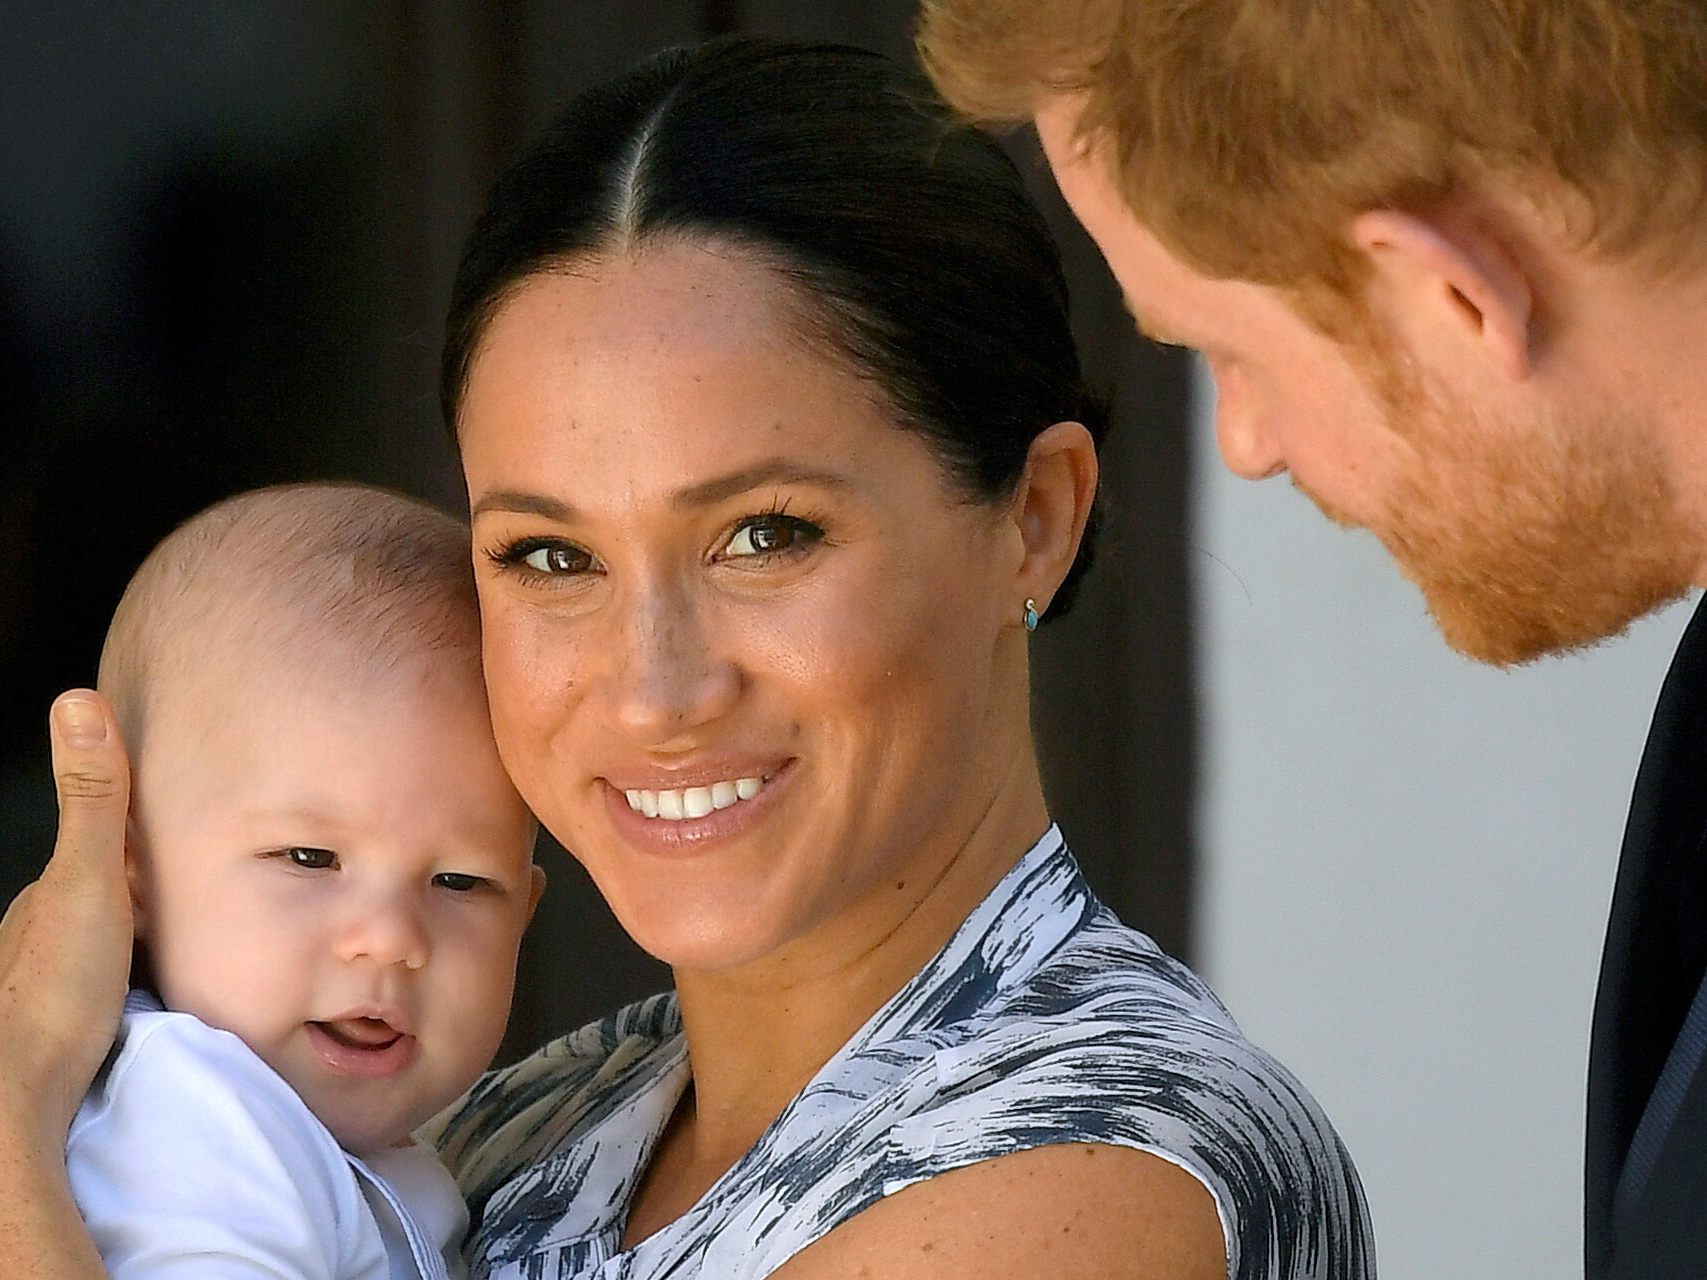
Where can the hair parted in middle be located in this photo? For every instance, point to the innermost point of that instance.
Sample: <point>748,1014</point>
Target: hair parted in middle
<point>907,237</point>
<point>1248,134</point>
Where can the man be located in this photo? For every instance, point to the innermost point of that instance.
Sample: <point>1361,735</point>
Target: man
<point>1447,261</point>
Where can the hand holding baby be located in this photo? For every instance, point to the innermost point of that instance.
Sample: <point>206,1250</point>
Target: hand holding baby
<point>65,941</point>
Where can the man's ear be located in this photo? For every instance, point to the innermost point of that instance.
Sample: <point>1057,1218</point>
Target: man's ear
<point>1051,507</point>
<point>1455,275</point>
<point>536,890</point>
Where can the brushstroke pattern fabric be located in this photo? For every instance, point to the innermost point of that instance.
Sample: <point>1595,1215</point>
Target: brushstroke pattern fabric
<point>1044,1020</point>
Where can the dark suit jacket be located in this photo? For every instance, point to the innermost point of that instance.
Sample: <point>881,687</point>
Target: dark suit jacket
<point>1656,954</point>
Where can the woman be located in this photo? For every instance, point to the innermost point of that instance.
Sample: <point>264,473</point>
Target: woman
<point>777,450</point>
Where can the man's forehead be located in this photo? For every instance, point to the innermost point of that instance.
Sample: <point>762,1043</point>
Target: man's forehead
<point>1141,264</point>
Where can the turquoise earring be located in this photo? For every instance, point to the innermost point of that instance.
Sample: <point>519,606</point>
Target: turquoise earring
<point>1030,615</point>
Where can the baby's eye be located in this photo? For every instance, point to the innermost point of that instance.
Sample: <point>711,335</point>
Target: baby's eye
<point>771,534</point>
<point>310,859</point>
<point>457,881</point>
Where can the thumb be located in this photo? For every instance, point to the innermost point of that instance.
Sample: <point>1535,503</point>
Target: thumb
<point>92,777</point>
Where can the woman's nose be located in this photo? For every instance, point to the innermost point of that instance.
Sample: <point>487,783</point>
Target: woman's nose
<point>384,932</point>
<point>671,676</point>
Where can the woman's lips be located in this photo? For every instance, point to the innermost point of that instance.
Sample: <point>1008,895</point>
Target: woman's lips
<point>362,1046</point>
<point>671,819</point>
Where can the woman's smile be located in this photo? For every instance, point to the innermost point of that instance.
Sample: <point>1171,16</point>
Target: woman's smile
<point>687,803</point>
<point>683,819</point>
<point>732,611</point>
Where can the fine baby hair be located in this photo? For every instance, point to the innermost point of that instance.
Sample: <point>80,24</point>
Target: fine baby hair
<point>302,573</point>
<point>330,874</point>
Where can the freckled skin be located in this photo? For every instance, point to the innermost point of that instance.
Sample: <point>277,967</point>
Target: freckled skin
<point>853,661</point>
<point>882,667</point>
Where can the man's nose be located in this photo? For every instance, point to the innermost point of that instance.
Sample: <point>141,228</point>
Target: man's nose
<point>1248,444</point>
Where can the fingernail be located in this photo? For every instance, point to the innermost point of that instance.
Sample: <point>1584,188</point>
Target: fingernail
<point>80,722</point>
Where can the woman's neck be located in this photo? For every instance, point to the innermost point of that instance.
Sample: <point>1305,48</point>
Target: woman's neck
<point>758,1034</point>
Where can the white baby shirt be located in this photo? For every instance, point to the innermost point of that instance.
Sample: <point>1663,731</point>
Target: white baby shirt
<point>191,1159</point>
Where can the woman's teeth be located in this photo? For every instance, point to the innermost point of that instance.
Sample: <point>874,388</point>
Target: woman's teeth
<point>693,802</point>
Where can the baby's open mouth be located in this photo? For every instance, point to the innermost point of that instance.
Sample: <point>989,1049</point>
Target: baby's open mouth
<point>362,1033</point>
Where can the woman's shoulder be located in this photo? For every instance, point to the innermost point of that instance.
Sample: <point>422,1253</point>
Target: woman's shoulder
<point>1112,1041</point>
<point>518,1114</point>
<point>1048,1023</point>
<point>1107,999</point>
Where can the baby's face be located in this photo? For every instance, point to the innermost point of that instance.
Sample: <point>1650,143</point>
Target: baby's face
<point>342,879</point>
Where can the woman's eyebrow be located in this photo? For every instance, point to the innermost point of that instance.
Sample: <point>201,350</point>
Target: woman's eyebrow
<point>522,503</point>
<point>704,494</point>
<point>768,471</point>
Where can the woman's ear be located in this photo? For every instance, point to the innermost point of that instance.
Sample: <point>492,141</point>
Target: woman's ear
<point>1450,276</point>
<point>1051,508</point>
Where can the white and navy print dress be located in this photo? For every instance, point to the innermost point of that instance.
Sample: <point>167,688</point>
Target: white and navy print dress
<point>1043,1020</point>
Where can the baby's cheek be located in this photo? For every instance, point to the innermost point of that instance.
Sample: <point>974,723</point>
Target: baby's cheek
<point>482,985</point>
<point>218,990</point>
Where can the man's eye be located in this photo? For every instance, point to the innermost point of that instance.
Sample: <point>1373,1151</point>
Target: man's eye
<point>771,534</point>
<point>311,859</point>
<point>457,881</point>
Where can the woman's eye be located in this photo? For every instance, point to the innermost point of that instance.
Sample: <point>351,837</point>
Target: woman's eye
<point>457,881</point>
<point>311,859</point>
<point>555,558</point>
<point>541,558</point>
<point>772,534</point>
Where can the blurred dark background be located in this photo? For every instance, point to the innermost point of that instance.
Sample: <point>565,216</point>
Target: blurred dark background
<point>227,232</point>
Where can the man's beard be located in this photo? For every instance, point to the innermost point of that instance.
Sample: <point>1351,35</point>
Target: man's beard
<point>1530,542</point>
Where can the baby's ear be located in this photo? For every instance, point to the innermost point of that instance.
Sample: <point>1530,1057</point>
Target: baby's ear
<point>134,877</point>
<point>536,890</point>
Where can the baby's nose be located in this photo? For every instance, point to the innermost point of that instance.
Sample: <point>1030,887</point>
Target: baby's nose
<point>390,933</point>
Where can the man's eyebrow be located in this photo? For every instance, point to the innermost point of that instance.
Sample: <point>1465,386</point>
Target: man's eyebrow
<point>1151,330</point>
<point>1161,335</point>
<point>704,494</point>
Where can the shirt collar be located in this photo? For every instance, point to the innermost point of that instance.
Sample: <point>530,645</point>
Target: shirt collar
<point>1018,925</point>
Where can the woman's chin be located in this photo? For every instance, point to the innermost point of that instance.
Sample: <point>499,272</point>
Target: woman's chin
<point>690,924</point>
<point>706,950</point>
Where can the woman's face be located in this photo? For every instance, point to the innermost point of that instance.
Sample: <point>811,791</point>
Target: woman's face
<point>750,657</point>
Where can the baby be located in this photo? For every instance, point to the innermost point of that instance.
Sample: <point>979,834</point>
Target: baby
<point>331,874</point>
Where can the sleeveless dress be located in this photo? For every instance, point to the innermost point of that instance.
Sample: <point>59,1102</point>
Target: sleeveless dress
<point>1043,1020</point>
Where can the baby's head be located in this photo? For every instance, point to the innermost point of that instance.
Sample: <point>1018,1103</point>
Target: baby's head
<point>328,859</point>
